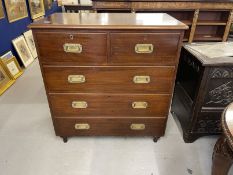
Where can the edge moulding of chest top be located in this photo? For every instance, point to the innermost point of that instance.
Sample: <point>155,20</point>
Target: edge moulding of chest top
<point>86,51</point>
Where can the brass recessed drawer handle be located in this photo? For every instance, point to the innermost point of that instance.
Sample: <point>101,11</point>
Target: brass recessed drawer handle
<point>144,48</point>
<point>76,79</point>
<point>139,105</point>
<point>82,126</point>
<point>79,104</point>
<point>141,79</point>
<point>137,126</point>
<point>72,48</point>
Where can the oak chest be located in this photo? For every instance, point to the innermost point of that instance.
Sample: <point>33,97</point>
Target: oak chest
<point>109,74</point>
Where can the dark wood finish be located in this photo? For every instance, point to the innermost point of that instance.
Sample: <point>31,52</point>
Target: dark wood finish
<point>164,53</point>
<point>109,79</point>
<point>117,105</point>
<point>203,89</point>
<point>94,47</point>
<point>109,89</point>
<point>193,13</point>
<point>77,8</point>
<point>110,126</point>
<point>223,150</point>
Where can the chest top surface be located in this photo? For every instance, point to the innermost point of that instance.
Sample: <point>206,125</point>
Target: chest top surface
<point>109,21</point>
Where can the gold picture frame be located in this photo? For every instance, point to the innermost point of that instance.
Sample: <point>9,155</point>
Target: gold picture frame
<point>12,67</point>
<point>36,8</point>
<point>16,10</point>
<point>23,51</point>
<point>5,80</point>
<point>2,15</point>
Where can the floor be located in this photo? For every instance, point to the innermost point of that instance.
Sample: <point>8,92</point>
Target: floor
<point>28,145</point>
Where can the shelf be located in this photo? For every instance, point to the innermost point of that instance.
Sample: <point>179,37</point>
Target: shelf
<point>187,22</point>
<point>203,37</point>
<point>185,39</point>
<point>211,23</point>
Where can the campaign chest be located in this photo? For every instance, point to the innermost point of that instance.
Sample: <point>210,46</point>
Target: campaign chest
<point>109,74</point>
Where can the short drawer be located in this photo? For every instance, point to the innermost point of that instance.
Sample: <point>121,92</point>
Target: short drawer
<point>109,105</point>
<point>109,79</point>
<point>70,47</point>
<point>110,127</point>
<point>140,48</point>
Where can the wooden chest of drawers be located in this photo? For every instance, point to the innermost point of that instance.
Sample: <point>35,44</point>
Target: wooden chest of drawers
<point>109,74</point>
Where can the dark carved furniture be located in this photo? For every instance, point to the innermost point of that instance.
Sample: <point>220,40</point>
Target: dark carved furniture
<point>108,76</point>
<point>223,150</point>
<point>209,20</point>
<point>77,8</point>
<point>204,87</point>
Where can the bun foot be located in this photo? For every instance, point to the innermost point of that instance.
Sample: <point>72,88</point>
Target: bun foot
<point>65,139</point>
<point>155,139</point>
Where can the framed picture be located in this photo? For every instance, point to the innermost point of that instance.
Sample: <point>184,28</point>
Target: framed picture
<point>7,55</point>
<point>36,8</point>
<point>48,4</point>
<point>16,9</point>
<point>5,80</point>
<point>23,51</point>
<point>12,67</point>
<point>2,15</point>
<point>30,42</point>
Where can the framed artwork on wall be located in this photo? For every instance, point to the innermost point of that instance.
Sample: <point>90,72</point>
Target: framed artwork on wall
<point>2,15</point>
<point>5,80</point>
<point>23,51</point>
<point>16,9</point>
<point>36,8</point>
<point>30,42</point>
<point>12,67</point>
<point>48,4</point>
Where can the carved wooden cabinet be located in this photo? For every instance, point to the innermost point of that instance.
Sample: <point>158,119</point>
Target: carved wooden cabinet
<point>105,76</point>
<point>208,20</point>
<point>204,87</point>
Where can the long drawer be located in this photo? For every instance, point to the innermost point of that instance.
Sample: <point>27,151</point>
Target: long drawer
<point>110,126</point>
<point>109,79</point>
<point>109,105</point>
<point>71,47</point>
<point>144,48</point>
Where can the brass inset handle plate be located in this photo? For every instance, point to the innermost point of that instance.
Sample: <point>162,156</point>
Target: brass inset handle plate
<point>76,79</point>
<point>137,126</point>
<point>72,48</point>
<point>141,79</point>
<point>79,104</point>
<point>144,48</point>
<point>82,126</point>
<point>139,105</point>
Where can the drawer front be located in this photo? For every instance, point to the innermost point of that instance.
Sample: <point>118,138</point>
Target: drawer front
<point>70,47</point>
<point>112,105</point>
<point>109,79</point>
<point>153,48</point>
<point>110,126</point>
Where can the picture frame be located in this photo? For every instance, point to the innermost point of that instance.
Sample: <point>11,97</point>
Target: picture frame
<point>12,67</point>
<point>31,43</point>
<point>2,14</point>
<point>36,8</point>
<point>23,51</point>
<point>48,4</point>
<point>5,80</point>
<point>16,10</point>
<point>7,55</point>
